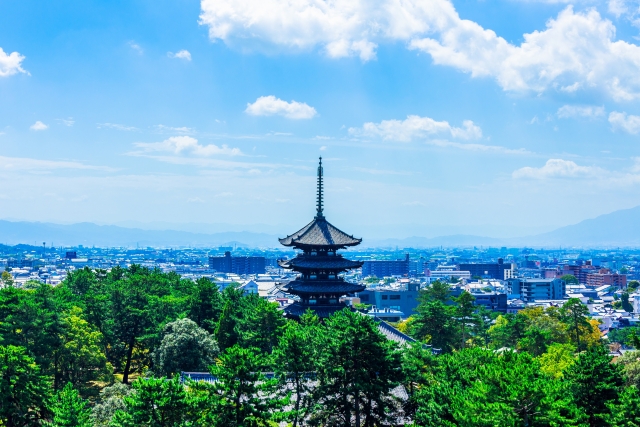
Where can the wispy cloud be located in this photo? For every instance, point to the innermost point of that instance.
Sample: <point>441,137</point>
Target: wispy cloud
<point>415,127</point>
<point>23,163</point>
<point>183,54</point>
<point>38,126</point>
<point>182,129</point>
<point>270,106</point>
<point>559,168</point>
<point>117,126</point>
<point>588,111</point>
<point>374,171</point>
<point>477,147</point>
<point>136,47</point>
<point>67,122</point>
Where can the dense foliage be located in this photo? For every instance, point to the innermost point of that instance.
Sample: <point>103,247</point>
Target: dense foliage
<point>107,349</point>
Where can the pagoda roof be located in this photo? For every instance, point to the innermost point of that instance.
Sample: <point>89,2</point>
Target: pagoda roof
<point>320,232</point>
<point>315,262</point>
<point>297,287</point>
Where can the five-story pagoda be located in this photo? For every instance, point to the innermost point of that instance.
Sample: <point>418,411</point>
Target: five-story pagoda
<point>318,285</point>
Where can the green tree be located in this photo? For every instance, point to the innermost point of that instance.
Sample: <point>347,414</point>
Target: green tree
<point>184,347</point>
<point>627,412</point>
<point>435,322</point>
<point>596,383</point>
<point>569,279</point>
<point>295,362</point>
<point>69,409</point>
<point>358,367</point>
<point>261,323</point>
<point>626,305</point>
<point>242,396</point>
<point>205,304</point>
<point>574,314</point>
<point>79,360</point>
<point>464,314</point>
<point>557,359</point>
<point>111,400</point>
<point>436,291</point>
<point>633,285</point>
<point>155,402</point>
<point>23,390</point>
<point>6,279</point>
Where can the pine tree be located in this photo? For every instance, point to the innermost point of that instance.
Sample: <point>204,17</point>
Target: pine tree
<point>69,409</point>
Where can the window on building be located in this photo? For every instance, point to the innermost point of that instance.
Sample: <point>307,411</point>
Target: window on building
<point>385,296</point>
<point>312,301</point>
<point>394,296</point>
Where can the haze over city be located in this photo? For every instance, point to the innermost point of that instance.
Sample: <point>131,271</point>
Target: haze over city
<point>502,119</point>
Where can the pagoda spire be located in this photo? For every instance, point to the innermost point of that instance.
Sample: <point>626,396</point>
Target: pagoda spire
<point>319,203</point>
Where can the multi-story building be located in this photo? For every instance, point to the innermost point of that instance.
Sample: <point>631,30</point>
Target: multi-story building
<point>530,290</point>
<point>404,300</point>
<point>386,268</point>
<point>605,277</point>
<point>237,265</point>
<point>499,270</point>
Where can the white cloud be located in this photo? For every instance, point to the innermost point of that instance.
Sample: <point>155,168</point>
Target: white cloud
<point>415,127</point>
<point>117,126</point>
<point>589,111</point>
<point>186,144</point>
<point>617,7</point>
<point>23,163</point>
<point>67,122</point>
<point>270,105</point>
<point>558,168</point>
<point>477,147</point>
<point>575,50</point>
<point>627,123</point>
<point>39,126</point>
<point>182,129</point>
<point>10,64</point>
<point>183,54</point>
<point>135,46</point>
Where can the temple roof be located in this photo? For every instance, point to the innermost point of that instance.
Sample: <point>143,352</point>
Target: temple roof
<point>322,311</point>
<point>320,232</point>
<point>322,287</point>
<point>320,262</point>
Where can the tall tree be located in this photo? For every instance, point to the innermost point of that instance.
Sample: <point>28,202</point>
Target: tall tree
<point>435,323</point>
<point>358,367</point>
<point>69,409</point>
<point>205,304</point>
<point>23,390</point>
<point>155,402</point>
<point>295,362</point>
<point>596,383</point>
<point>574,314</point>
<point>464,314</point>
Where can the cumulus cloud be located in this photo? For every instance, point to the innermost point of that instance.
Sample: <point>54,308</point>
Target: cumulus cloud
<point>270,105</point>
<point>183,54</point>
<point>10,64</point>
<point>625,122</point>
<point>589,111</point>
<point>414,127</point>
<point>39,126</point>
<point>574,51</point>
<point>186,144</point>
<point>559,168</point>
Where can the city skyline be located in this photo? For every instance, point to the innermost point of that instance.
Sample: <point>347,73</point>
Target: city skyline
<point>176,113</point>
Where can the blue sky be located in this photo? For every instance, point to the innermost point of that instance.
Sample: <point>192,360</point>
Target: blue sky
<point>496,118</point>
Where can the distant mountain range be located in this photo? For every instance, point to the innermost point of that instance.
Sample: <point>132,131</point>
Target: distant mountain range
<point>617,229</point>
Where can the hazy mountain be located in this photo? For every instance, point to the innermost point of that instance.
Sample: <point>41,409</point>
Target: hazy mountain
<point>89,234</point>
<point>620,228</point>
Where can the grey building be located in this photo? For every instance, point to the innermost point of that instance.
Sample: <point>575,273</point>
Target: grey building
<point>237,265</point>
<point>530,290</point>
<point>488,270</point>
<point>385,268</point>
<point>493,301</point>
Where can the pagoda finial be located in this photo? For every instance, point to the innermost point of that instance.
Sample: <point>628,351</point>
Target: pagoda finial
<point>319,202</point>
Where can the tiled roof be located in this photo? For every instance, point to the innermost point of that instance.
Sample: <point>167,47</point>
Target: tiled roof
<point>319,287</point>
<point>320,232</point>
<point>327,262</point>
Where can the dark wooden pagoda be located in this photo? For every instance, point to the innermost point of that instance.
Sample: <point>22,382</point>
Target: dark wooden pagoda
<point>319,285</point>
